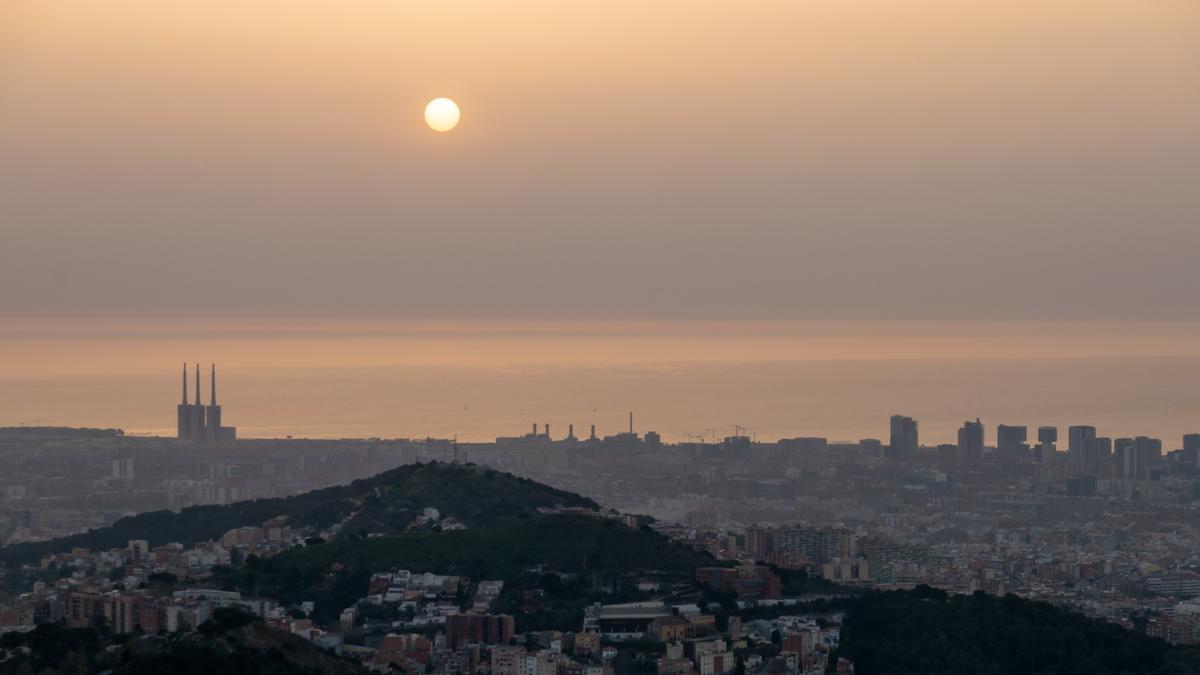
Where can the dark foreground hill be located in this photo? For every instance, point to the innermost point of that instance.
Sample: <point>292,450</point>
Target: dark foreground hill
<point>573,558</point>
<point>929,632</point>
<point>384,503</point>
<point>231,643</point>
<point>594,552</point>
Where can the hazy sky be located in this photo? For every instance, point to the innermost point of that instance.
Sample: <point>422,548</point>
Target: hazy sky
<point>1018,159</point>
<point>479,379</point>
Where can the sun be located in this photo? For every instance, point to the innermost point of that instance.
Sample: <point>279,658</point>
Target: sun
<point>441,114</point>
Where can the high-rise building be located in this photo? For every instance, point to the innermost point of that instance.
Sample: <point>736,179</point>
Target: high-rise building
<point>1125,454</point>
<point>1011,441</point>
<point>1137,457</point>
<point>1081,446</point>
<point>1149,453</point>
<point>970,442</point>
<point>903,444</point>
<point>1191,449</point>
<point>1047,440</point>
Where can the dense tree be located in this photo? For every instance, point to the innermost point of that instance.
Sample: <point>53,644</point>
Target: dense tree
<point>337,573</point>
<point>231,642</point>
<point>930,632</point>
<point>384,503</point>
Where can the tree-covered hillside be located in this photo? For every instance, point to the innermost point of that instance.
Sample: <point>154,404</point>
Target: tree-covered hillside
<point>928,632</point>
<point>231,642</point>
<point>336,573</point>
<point>385,503</point>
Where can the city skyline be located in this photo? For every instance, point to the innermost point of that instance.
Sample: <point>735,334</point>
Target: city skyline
<point>195,423</point>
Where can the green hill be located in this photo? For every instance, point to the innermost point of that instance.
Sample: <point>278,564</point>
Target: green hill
<point>568,559</point>
<point>929,632</point>
<point>570,544</point>
<point>385,503</point>
<point>230,643</point>
<point>592,550</point>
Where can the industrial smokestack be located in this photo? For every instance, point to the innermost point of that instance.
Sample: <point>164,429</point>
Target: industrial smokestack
<point>212,394</point>
<point>197,384</point>
<point>593,436</point>
<point>571,431</point>
<point>185,383</point>
<point>534,432</point>
<point>547,430</point>
<point>631,423</point>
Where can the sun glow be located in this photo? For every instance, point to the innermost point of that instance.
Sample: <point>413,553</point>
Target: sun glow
<point>441,114</point>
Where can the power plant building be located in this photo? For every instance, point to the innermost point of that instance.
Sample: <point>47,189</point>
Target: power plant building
<point>201,423</point>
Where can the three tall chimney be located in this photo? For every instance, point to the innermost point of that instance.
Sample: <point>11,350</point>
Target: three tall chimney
<point>198,422</point>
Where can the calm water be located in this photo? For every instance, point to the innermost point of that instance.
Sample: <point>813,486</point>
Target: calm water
<point>478,380</point>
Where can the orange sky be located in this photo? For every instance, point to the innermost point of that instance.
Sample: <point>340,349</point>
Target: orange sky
<point>927,159</point>
<point>57,349</point>
<point>477,380</point>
